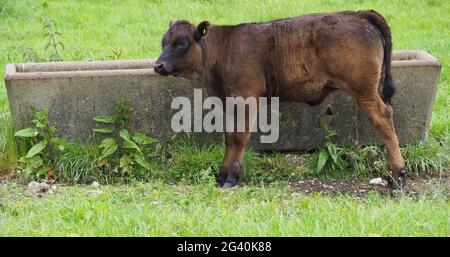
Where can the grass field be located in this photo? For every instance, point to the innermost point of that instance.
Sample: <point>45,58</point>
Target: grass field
<point>156,209</point>
<point>99,30</point>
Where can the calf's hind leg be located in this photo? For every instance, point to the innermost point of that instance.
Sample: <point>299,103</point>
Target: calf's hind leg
<point>381,115</point>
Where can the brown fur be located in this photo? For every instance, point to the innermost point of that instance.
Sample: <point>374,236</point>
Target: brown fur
<point>299,59</point>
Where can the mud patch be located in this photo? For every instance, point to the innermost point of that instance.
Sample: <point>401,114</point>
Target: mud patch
<point>360,188</point>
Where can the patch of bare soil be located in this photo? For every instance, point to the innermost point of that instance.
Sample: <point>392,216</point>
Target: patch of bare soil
<point>5,176</point>
<point>414,186</point>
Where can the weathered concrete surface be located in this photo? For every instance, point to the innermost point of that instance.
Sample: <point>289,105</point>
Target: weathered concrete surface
<point>75,92</point>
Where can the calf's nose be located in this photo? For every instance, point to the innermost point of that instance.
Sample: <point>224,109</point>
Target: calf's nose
<point>157,65</point>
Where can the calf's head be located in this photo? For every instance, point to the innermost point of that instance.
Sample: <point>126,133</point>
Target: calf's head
<point>181,51</point>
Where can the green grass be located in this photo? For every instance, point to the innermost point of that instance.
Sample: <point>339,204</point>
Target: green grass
<point>157,209</point>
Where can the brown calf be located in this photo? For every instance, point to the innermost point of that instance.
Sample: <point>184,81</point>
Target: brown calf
<point>299,59</point>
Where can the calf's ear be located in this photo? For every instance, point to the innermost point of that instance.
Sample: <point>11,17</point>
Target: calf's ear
<point>202,29</point>
<point>171,22</point>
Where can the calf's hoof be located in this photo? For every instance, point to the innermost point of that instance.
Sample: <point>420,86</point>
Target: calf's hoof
<point>220,180</point>
<point>231,181</point>
<point>229,185</point>
<point>399,181</point>
<point>233,172</point>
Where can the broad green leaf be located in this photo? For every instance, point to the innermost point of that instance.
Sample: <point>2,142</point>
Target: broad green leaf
<point>34,110</point>
<point>109,146</point>
<point>143,139</point>
<point>40,115</point>
<point>37,148</point>
<point>131,145</point>
<point>52,130</point>
<point>40,124</point>
<point>36,161</point>
<point>28,132</point>
<point>61,144</point>
<point>22,159</point>
<point>124,162</point>
<point>105,119</point>
<point>104,130</point>
<point>333,152</point>
<point>141,161</point>
<point>322,160</point>
<point>125,135</point>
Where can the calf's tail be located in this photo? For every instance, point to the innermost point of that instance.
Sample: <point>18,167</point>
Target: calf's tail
<point>388,87</point>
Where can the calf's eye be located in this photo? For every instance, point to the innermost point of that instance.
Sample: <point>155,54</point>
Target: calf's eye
<point>181,43</point>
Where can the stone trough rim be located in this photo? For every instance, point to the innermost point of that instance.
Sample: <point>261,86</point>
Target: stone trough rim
<point>138,67</point>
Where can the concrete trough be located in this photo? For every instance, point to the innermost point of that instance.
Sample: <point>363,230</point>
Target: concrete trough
<point>75,92</point>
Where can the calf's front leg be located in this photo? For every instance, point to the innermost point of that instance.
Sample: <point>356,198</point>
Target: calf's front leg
<point>235,143</point>
<point>232,164</point>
